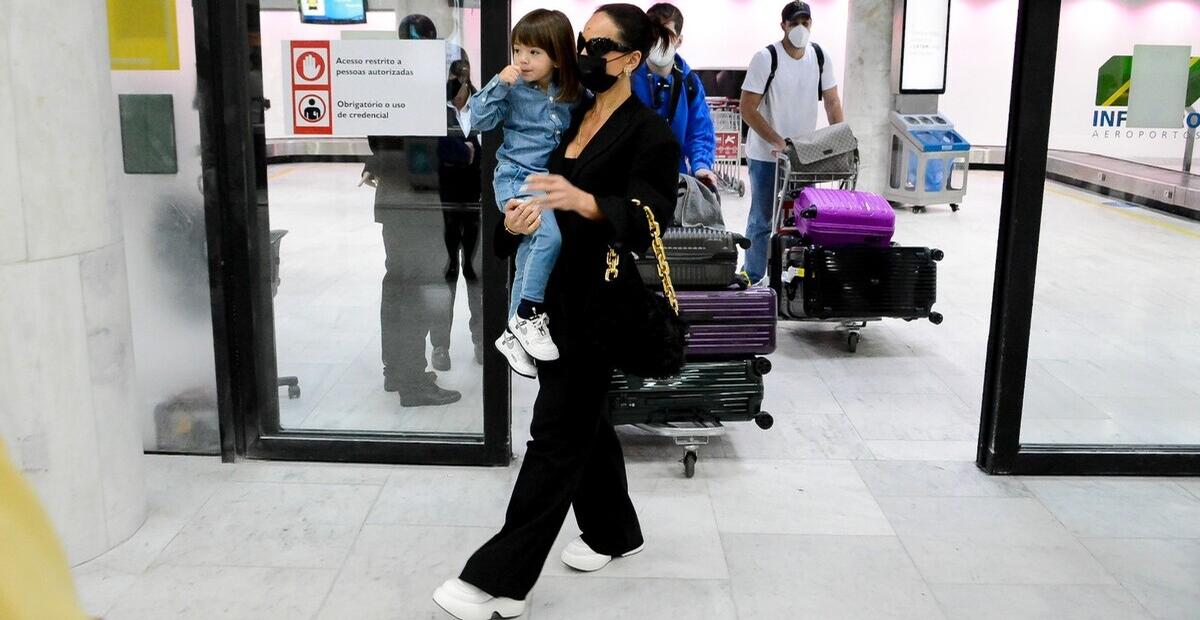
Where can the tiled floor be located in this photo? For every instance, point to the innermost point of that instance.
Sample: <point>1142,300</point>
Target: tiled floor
<point>861,502</point>
<point>789,536</point>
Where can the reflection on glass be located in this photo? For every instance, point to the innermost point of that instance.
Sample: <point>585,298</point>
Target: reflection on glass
<point>378,314</point>
<point>162,218</point>
<point>1115,341</point>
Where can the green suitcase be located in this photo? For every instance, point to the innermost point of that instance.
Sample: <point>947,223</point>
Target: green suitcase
<point>725,391</point>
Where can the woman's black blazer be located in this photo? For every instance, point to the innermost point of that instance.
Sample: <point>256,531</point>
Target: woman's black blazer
<point>633,156</point>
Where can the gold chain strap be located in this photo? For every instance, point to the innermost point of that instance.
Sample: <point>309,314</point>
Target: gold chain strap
<point>660,255</point>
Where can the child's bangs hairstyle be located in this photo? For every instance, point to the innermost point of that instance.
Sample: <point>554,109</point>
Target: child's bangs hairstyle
<point>551,31</point>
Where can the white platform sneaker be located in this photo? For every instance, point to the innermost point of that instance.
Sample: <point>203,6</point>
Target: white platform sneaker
<point>518,359</point>
<point>579,556</point>
<point>466,602</point>
<point>534,336</point>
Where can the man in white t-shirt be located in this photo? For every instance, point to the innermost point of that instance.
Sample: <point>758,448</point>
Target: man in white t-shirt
<point>783,86</point>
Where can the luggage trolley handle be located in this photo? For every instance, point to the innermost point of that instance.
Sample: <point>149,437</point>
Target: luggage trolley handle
<point>790,153</point>
<point>785,162</point>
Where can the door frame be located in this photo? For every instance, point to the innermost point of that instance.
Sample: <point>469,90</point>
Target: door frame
<point>233,156</point>
<point>1000,449</point>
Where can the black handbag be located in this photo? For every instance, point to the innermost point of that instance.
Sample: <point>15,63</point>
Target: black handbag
<point>639,331</point>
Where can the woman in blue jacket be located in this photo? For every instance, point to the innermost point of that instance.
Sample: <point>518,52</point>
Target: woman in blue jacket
<point>666,84</point>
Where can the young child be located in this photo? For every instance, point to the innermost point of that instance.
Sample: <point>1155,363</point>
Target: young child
<point>531,99</point>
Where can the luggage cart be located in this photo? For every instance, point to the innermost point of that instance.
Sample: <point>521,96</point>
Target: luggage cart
<point>691,435</point>
<point>790,179</point>
<point>727,124</point>
<point>658,407</point>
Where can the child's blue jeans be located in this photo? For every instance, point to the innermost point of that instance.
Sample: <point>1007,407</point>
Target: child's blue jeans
<point>538,252</point>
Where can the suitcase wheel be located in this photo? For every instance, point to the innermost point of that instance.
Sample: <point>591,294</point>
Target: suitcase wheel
<point>762,365</point>
<point>937,254</point>
<point>852,341</point>
<point>689,464</point>
<point>954,207</point>
<point>935,318</point>
<point>764,420</point>
<point>918,209</point>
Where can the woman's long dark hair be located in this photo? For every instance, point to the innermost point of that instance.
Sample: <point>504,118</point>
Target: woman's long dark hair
<point>635,29</point>
<point>551,31</point>
<point>665,13</point>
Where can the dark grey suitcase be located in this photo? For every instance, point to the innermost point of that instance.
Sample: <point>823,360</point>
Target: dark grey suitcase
<point>700,258</point>
<point>730,391</point>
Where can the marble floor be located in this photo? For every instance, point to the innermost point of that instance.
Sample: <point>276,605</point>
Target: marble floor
<point>862,501</point>
<point>826,528</point>
<point>1114,350</point>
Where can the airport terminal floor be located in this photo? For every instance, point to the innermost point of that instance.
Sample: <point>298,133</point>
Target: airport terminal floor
<point>256,358</point>
<point>862,501</point>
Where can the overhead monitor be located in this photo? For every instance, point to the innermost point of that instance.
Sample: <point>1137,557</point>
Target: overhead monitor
<point>333,11</point>
<point>924,31</point>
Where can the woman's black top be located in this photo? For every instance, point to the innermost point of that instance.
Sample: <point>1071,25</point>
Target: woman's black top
<point>634,155</point>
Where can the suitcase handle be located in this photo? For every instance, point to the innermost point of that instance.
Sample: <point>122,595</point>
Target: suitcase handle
<point>809,214</point>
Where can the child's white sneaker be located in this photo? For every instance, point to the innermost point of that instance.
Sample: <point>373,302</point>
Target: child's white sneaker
<point>518,359</point>
<point>534,336</point>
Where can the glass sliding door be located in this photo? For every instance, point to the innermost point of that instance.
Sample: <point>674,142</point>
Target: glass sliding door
<point>370,282</point>
<point>1094,353</point>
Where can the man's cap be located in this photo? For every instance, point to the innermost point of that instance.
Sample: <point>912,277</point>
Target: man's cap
<point>792,10</point>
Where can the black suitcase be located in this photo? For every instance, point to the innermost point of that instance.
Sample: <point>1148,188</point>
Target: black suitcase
<point>700,258</point>
<point>729,391</point>
<point>857,282</point>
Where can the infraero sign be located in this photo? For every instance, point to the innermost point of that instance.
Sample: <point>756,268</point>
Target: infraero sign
<point>1150,98</point>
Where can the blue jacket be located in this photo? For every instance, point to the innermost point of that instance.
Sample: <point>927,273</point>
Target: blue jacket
<point>533,121</point>
<point>692,124</point>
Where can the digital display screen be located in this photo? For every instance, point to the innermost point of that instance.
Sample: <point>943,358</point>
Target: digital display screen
<point>923,55</point>
<point>333,11</point>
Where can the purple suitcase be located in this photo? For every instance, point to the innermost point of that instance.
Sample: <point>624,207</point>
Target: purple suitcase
<point>840,218</point>
<point>729,323</point>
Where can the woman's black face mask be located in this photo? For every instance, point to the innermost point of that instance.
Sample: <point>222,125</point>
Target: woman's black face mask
<point>593,67</point>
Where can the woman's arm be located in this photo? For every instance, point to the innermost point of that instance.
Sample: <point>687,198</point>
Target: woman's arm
<point>653,174</point>
<point>489,106</point>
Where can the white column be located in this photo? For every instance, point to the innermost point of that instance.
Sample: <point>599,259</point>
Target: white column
<point>66,360</point>
<point>867,96</point>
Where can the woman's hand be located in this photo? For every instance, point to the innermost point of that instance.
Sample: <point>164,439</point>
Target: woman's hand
<point>521,217</point>
<point>560,195</point>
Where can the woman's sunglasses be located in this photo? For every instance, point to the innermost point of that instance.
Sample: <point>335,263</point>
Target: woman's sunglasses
<point>600,46</point>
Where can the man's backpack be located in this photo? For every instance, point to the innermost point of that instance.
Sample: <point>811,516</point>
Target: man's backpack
<point>690,82</point>
<point>775,65</point>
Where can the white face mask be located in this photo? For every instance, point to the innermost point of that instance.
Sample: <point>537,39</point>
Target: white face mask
<point>799,36</point>
<point>660,57</point>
